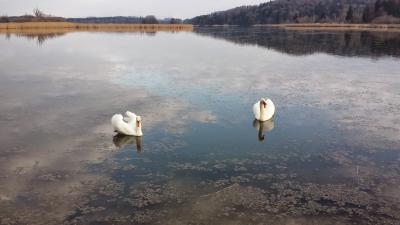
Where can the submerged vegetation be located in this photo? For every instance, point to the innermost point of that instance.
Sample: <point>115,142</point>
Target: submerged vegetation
<point>332,157</point>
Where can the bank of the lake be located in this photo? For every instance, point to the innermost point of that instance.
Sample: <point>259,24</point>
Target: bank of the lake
<point>337,26</point>
<point>90,26</point>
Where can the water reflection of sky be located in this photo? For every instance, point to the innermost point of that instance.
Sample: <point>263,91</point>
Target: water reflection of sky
<point>336,132</point>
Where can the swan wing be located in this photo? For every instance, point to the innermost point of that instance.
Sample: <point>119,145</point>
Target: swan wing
<point>270,109</point>
<point>256,110</point>
<point>130,116</point>
<point>121,126</point>
<point>115,119</point>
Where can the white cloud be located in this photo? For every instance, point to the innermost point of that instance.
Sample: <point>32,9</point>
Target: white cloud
<point>160,8</point>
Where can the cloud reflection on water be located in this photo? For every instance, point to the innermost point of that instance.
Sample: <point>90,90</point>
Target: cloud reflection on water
<point>61,110</point>
<point>65,128</point>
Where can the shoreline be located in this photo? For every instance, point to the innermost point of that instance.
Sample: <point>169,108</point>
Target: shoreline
<point>70,26</point>
<point>335,26</point>
<point>33,26</point>
<point>322,26</point>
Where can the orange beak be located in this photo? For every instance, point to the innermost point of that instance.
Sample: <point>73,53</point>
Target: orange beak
<point>137,124</point>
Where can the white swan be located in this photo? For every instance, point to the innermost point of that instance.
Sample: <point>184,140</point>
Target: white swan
<point>132,126</point>
<point>264,109</point>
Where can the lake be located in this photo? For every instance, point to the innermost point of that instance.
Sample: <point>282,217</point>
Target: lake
<point>331,154</point>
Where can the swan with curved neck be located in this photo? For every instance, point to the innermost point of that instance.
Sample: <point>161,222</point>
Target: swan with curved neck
<point>132,126</point>
<point>264,109</point>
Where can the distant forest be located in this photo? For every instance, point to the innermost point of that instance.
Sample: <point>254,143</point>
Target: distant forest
<point>273,12</point>
<point>306,11</point>
<point>125,19</point>
<point>39,16</point>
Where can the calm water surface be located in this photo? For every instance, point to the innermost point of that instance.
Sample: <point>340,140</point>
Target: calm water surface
<point>331,155</point>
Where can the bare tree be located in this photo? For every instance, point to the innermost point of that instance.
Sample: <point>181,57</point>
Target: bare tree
<point>38,13</point>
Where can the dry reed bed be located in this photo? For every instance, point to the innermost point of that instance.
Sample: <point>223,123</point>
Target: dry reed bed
<point>90,26</point>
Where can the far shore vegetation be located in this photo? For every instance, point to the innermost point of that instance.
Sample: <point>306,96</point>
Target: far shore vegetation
<point>68,26</point>
<point>307,12</point>
<point>43,22</point>
<point>319,14</point>
<point>40,16</point>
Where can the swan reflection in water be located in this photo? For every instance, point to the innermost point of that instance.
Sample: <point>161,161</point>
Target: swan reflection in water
<point>262,126</point>
<point>121,141</point>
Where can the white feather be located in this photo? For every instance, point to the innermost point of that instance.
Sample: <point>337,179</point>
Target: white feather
<point>256,110</point>
<point>126,128</point>
<point>269,110</point>
<point>130,116</point>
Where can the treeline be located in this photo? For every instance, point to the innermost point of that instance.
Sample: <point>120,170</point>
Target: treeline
<point>39,16</point>
<point>306,11</point>
<point>126,19</point>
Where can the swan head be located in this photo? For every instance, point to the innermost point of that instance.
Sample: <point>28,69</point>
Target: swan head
<point>138,121</point>
<point>138,126</point>
<point>263,102</point>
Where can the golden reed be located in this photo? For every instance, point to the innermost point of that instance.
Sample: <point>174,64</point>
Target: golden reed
<point>92,26</point>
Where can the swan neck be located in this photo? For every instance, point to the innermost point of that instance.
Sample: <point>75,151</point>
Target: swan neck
<point>262,109</point>
<point>139,129</point>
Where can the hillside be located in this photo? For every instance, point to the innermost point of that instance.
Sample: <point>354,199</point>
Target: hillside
<point>306,11</point>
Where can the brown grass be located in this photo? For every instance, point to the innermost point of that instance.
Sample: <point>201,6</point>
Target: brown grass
<point>91,26</point>
<point>338,26</point>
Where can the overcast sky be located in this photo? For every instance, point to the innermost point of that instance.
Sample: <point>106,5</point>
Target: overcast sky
<point>84,8</point>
